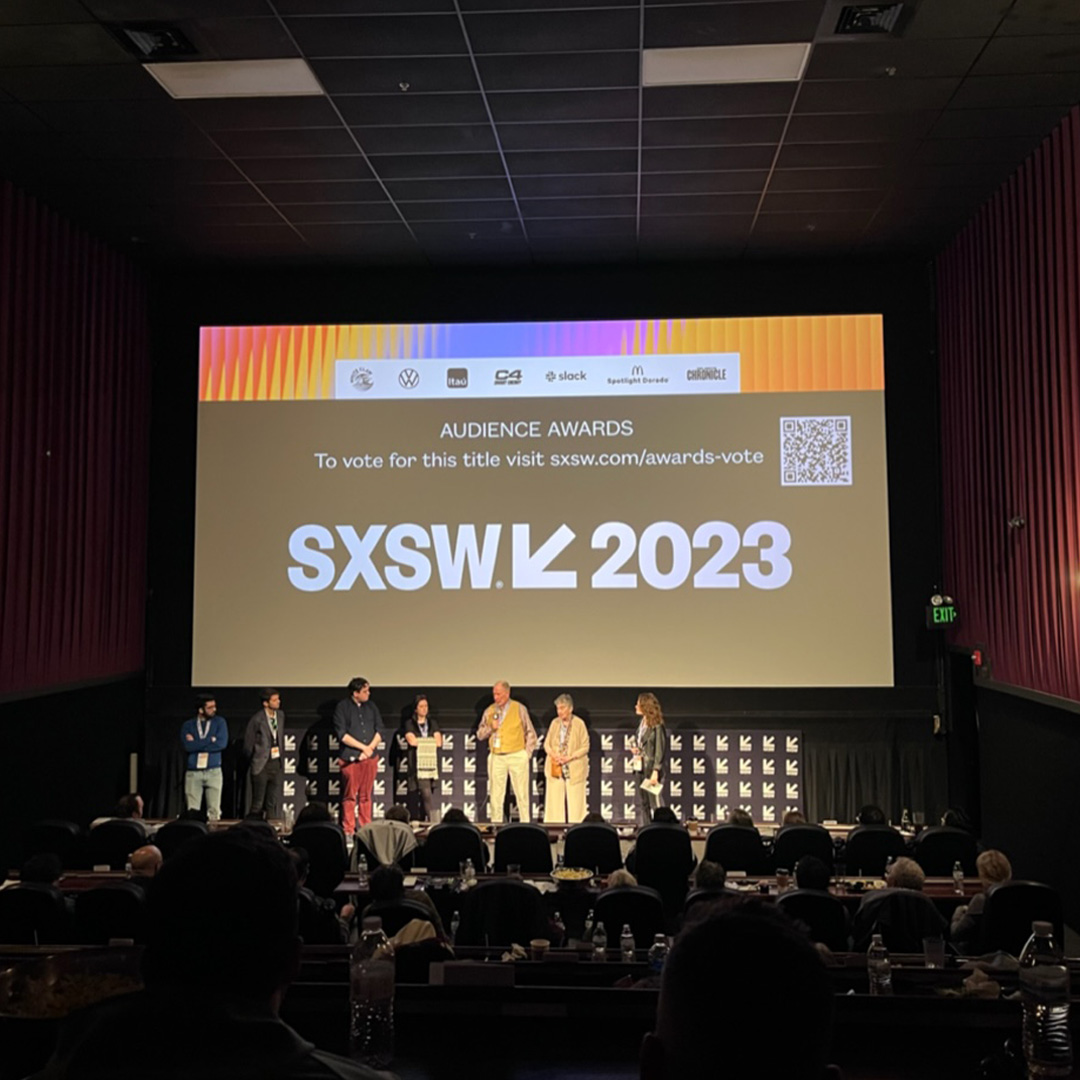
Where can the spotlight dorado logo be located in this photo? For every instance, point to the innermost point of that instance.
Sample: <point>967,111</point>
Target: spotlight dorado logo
<point>411,556</point>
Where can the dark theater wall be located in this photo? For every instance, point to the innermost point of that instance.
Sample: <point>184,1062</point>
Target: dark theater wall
<point>74,416</point>
<point>881,726</point>
<point>1009,317</point>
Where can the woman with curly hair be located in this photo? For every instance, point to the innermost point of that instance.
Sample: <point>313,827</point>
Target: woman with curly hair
<point>650,750</point>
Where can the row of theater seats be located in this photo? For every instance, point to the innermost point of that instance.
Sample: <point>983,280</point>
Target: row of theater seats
<point>38,914</point>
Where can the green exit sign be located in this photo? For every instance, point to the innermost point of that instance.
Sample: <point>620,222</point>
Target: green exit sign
<point>941,616</point>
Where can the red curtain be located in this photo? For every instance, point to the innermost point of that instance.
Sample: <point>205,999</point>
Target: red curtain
<point>74,405</point>
<point>1009,331</point>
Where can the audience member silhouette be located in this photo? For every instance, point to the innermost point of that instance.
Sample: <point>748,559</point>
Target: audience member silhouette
<point>222,947</point>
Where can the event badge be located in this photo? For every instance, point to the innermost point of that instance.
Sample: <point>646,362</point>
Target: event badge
<point>496,741</point>
<point>275,752</point>
<point>202,761</point>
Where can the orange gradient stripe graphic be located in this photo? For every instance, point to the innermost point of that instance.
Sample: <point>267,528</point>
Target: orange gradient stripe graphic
<point>788,353</point>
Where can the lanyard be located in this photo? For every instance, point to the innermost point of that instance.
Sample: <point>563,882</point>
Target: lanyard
<point>203,732</point>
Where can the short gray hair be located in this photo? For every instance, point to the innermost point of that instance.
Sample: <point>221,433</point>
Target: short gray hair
<point>565,699</point>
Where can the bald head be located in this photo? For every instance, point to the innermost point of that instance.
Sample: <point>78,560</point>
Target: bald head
<point>146,861</point>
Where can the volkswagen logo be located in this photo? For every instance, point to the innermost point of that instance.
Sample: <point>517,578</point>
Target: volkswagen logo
<point>409,379</point>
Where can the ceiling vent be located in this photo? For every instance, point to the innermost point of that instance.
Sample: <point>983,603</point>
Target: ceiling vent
<point>154,41</point>
<point>869,18</point>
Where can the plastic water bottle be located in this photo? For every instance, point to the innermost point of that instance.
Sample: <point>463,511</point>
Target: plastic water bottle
<point>626,944</point>
<point>470,872</point>
<point>878,967</point>
<point>905,819</point>
<point>599,942</point>
<point>658,953</point>
<point>590,920</point>
<point>958,878</point>
<point>1044,990</point>
<point>362,872</point>
<point>455,922</point>
<point>371,997</point>
<point>560,862</point>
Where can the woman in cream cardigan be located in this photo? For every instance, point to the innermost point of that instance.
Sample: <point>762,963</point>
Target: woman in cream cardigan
<point>567,767</point>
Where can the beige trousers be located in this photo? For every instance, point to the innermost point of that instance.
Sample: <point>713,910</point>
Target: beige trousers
<point>516,766</point>
<point>563,801</point>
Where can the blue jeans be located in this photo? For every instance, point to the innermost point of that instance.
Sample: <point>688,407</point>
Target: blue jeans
<point>196,781</point>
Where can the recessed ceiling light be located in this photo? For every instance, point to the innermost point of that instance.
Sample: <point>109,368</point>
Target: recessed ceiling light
<point>725,64</point>
<point>236,78</point>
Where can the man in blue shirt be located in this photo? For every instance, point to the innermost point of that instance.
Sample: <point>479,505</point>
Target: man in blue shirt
<point>203,738</point>
<point>358,725</point>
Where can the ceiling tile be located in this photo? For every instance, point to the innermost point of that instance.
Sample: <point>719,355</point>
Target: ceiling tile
<point>222,114</point>
<point>959,151</point>
<point>612,135</point>
<point>710,228</point>
<point>1042,17</point>
<point>582,227</point>
<point>746,99</point>
<point>812,202</point>
<point>957,19</point>
<point>875,95</point>
<point>371,7</point>
<point>694,25</point>
<point>565,105</point>
<point>963,174</point>
<point>60,44</point>
<point>707,159</point>
<point>860,58</point>
<point>1038,55</point>
<point>379,35</point>
<point>469,210</point>
<point>420,74</point>
<point>463,230</point>
<point>373,235</point>
<point>283,192</point>
<point>226,194</point>
<point>447,138</point>
<point>565,208</point>
<point>747,182</point>
<point>834,222</point>
<point>550,31</point>
<point>36,12</point>
<point>175,145</point>
<point>406,191</point>
<point>560,187</point>
<point>994,91</point>
<point>95,82</point>
<point>429,166</point>
<point>728,131</point>
<point>538,5</point>
<point>850,155</point>
<point>286,142</point>
<point>1001,123</point>
<point>172,10</point>
<point>569,162</point>
<point>239,39</point>
<point>660,205</point>
<point>560,71</point>
<point>322,169</point>
<point>859,127</point>
<point>824,179</point>
<point>14,117</point>
<point>411,108</point>
<point>325,213</point>
<point>86,117</point>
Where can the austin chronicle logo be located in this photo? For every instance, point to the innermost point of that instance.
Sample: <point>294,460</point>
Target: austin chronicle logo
<point>362,379</point>
<point>409,379</point>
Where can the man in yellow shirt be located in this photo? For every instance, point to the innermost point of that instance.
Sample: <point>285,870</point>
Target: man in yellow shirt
<point>511,742</point>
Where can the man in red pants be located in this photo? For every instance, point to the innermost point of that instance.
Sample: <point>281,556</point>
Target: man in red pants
<point>359,729</point>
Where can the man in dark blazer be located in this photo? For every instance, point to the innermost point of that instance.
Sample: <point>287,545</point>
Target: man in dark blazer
<point>264,744</point>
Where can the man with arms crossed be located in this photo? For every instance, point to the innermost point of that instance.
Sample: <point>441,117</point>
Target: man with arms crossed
<point>203,739</point>
<point>359,728</point>
<point>512,740</point>
<point>264,743</point>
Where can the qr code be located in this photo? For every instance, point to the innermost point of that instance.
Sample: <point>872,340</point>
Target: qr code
<point>815,451</point>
